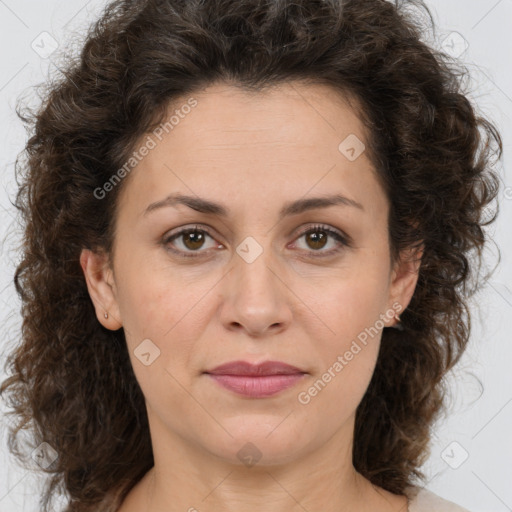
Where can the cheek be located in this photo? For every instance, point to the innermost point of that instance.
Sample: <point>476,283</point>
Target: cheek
<point>347,304</point>
<point>162,328</point>
<point>349,309</point>
<point>160,306</point>
<point>158,301</point>
<point>348,353</point>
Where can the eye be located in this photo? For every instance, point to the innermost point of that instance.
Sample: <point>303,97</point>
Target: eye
<point>190,241</point>
<point>317,237</point>
<point>187,242</point>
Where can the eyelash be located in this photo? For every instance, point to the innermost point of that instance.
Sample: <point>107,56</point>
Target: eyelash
<point>342,239</point>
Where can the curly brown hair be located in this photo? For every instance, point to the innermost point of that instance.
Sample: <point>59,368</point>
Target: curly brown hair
<point>71,383</point>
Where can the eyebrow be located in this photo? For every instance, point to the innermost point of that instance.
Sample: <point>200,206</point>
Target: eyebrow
<point>291,208</point>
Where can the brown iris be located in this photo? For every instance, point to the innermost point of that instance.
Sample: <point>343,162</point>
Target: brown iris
<point>317,238</point>
<point>193,239</point>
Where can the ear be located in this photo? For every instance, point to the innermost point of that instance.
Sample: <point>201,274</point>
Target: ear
<point>404,277</point>
<point>100,283</point>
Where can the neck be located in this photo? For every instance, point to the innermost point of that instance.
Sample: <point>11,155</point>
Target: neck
<point>185,478</point>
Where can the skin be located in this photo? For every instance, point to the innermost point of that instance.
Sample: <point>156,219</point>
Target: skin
<point>252,153</point>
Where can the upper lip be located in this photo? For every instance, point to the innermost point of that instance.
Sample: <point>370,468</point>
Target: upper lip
<point>246,368</point>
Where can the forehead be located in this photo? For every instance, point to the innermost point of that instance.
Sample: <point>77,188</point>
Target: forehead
<point>291,137</point>
<point>297,111</point>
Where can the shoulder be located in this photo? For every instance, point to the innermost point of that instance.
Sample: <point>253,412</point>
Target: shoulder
<point>423,500</point>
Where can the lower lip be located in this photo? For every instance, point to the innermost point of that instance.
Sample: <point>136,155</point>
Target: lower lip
<point>257,387</point>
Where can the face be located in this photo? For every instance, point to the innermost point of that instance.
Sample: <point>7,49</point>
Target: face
<point>266,274</point>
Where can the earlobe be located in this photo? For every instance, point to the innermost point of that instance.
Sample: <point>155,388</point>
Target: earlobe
<point>100,284</point>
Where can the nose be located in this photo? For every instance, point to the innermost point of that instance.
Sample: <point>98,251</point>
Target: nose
<point>256,297</point>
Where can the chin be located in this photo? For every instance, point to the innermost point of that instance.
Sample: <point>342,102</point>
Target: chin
<point>259,442</point>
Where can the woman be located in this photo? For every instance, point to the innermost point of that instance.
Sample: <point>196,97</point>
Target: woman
<point>250,235</point>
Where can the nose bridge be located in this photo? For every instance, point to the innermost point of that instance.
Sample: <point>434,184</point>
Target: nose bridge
<point>254,267</point>
<point>257,299</point>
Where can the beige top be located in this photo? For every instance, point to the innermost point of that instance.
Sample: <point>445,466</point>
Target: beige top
<point>423,500</point>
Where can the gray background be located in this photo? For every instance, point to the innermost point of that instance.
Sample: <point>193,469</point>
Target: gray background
<point>471,456</point>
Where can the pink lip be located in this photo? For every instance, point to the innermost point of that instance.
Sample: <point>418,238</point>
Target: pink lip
<point>260,380</point>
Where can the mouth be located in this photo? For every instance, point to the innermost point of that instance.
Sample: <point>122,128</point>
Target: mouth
<point>256,380</point>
